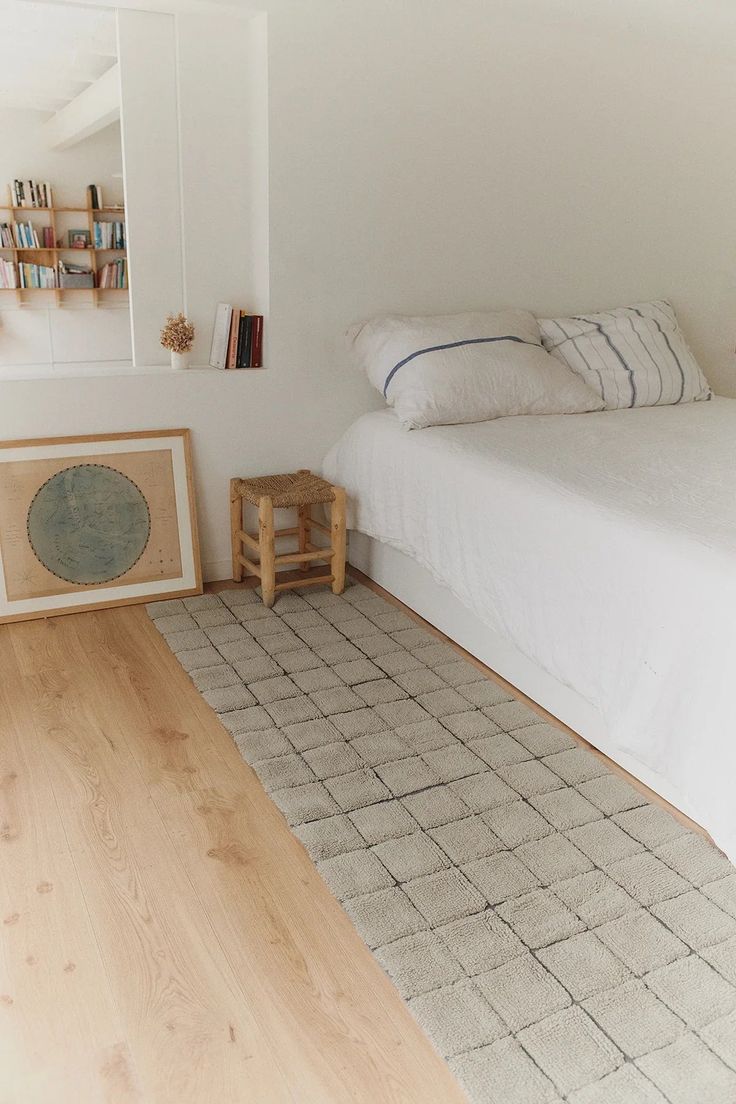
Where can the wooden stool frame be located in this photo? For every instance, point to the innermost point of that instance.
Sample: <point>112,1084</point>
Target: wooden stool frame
<point>264,544</point>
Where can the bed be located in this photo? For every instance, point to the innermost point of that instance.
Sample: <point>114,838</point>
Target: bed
<point>590,559</point>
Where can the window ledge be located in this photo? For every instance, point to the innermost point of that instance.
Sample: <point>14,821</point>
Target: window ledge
<point>26,372</point>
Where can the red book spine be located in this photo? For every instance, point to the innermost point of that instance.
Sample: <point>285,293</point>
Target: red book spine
<point>256,360</point>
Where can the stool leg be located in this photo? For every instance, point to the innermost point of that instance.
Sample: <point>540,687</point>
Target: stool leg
<point>236,524</point>
<point>305,517</point>
<point>339,540</point>
<point>267,550</point>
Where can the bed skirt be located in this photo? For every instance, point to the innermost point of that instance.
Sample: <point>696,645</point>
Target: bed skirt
<point>413,585</point>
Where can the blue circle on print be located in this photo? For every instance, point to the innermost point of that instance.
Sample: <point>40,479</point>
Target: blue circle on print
<point>89,524</point>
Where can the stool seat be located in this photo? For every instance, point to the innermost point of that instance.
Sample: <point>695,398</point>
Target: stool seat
<point>301,488</point>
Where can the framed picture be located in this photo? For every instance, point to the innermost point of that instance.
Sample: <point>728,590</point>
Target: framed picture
<point>92,522</point>
<point>78,239</point>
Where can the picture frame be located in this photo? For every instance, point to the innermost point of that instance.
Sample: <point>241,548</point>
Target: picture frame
<point>78,239</point>
<point>96,521</point>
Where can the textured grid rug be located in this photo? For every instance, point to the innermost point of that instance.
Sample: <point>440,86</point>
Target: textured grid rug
<point>556,936</point>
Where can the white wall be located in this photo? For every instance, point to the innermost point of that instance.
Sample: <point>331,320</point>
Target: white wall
<point>40,341</point>
<point>224,168</point>
<point>150,138</point>
<point>425,156</point>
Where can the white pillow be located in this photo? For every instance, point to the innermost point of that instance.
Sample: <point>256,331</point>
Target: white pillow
<point>632,356</point>
<point>456,368</point>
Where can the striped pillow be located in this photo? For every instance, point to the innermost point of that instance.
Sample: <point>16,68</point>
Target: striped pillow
<point>632,356</point>
<point>452,369</point>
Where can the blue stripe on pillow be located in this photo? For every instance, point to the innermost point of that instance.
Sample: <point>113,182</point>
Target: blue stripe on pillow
<point>674,354</point>
<point>643,359</point>
<point>626,367</point>
<point>640,339</point>
<point>453,345</point>
<point>581,354</point>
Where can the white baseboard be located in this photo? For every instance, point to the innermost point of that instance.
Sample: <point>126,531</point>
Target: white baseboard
<point>214,571</point>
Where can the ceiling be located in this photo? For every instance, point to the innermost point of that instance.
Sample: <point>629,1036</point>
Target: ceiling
<point>50,52</point>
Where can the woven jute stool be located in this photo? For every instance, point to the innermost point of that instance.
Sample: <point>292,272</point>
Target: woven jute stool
<point>303,490</point>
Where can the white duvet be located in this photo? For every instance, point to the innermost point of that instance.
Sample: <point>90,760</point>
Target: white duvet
<point>602,545</point>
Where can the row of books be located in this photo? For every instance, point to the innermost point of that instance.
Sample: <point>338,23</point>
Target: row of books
<point>24,235</point>
<point>109,235</point>
<point>113,275</point>
<point>237,339</point>
<point>67,275</point>
<point>8,274</point>
<point>29,193</point>
<point>36,276</point>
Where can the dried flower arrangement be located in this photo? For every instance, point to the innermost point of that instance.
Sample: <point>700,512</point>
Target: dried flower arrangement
<point>177,334</point>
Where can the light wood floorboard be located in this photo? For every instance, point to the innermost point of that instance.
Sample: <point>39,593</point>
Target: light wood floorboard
<point>164,938</point>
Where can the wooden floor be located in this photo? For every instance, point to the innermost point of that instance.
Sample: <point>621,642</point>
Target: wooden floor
<point>164,939</point>
<point>163,936</point>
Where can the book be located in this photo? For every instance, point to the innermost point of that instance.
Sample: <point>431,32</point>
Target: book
<point>26,236</point>
<point>112,275</point>
<point>94,196</point>
<point>31,193</point>
<point>109,235</point>
<point>248,341</point>
<point>245,330</point>
<point>256,360</point>
<point>241,339</point>
<point>237,339</point>
<point>221,335</point>
<point>8,274</point>
<point>232,348</point>
<point>36,276</point>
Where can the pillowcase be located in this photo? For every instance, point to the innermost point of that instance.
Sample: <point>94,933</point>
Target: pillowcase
<point>455,368</point>
<point>632,356</point>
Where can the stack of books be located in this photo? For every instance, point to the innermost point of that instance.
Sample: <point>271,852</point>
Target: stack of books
<point>8,274</point>
<point>28,193</point>
<point>37,276</point>
<point>113,275</point>
<point>109,235</point>
<point>7,241</point>
<point>237,339</point>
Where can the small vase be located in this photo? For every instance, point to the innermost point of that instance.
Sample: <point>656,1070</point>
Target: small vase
<point>179,361</point>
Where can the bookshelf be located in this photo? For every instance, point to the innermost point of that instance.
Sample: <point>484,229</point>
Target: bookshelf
<point>59,220</point>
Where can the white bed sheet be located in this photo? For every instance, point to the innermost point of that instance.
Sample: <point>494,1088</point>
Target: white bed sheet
<point>603,546</point>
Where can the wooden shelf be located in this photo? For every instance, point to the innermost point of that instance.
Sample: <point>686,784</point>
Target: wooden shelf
<point>69,210</point>
<point>63,290</point>
<point>55,249</point>
<point>48,254</point>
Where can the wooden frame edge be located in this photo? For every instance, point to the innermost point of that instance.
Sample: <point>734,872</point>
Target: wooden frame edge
<point>40,615</point>
<point>129,435</point>
<point>88,438</point>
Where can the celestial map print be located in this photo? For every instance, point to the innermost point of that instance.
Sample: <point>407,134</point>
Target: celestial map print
<point>88,524</point>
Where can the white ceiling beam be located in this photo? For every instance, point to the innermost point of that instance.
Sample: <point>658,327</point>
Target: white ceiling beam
<point>92,110</point>
<point>37,105</point>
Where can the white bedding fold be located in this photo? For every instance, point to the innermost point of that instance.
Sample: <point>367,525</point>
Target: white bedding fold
<point>602,545</point>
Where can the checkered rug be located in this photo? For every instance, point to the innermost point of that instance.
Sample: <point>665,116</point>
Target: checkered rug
<point>557,937</point>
